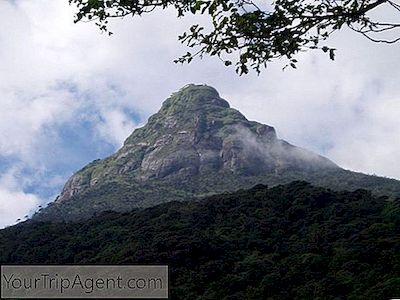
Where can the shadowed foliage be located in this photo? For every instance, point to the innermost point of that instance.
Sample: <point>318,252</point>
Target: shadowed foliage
<point>293,241</point>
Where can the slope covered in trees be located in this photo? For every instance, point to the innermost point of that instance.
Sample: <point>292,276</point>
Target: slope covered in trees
<point>292,241</point>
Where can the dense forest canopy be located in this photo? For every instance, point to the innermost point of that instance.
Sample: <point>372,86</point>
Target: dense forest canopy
<point>293,241</point>
<point>250,34</point>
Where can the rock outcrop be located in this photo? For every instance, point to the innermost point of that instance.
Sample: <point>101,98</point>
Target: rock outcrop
<point>196,131</point>
<point>195,137</point>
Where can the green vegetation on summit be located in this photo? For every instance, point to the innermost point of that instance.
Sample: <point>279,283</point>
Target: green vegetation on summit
<point>195,146</point>
<point>293,241</point>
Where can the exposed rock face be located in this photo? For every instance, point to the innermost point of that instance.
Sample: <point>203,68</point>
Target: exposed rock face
<point>194,134</point>
<point>196,130</point>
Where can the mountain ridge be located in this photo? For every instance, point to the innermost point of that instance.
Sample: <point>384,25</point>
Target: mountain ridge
<point>195,145</point>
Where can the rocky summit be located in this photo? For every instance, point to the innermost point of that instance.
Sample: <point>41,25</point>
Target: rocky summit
<point>195,145</point>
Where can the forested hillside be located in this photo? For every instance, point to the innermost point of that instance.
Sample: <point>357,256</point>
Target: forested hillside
<point>292,241</point>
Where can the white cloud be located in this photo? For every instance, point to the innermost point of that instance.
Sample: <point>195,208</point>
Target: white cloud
<point>14,203</point>
<point>344,109</point>
<point>24,115</point>
<point>42,53</point>
<point>116,126</point>
<point>372,144</point>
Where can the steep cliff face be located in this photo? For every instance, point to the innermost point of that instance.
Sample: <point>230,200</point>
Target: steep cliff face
<point>195,133</point>
<point>196,145</point>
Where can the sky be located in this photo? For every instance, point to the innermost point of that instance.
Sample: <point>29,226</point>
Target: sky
<point>70,95</point>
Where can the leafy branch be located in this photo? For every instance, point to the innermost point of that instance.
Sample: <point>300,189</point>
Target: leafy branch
<point>249,37</point>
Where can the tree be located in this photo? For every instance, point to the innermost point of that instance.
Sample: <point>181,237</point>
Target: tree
<point>250,35</point>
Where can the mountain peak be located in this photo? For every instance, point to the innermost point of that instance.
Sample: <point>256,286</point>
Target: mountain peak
<point>192,101</point>
<point>195,143</point>
<point>194,97</point>
<point>195,110</point>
